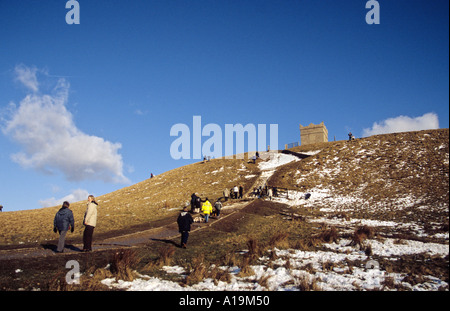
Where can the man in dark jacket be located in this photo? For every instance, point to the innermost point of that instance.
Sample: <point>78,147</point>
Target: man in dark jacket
<point>62,222</point>
<point>193,201</point>
<point>196,203</point>
<point>184,225</point>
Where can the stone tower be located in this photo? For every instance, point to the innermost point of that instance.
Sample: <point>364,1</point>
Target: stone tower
<point>313,134</point>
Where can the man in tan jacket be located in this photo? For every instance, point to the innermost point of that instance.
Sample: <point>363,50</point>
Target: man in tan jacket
<point>90,221</point>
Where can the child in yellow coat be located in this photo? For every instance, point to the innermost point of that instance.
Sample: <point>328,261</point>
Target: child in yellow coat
<point>206,209</point>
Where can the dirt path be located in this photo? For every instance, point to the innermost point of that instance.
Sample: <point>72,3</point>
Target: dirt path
<point>136,239</point>
<point>167,232</point>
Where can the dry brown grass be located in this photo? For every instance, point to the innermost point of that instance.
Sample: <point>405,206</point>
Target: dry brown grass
<point>123,264</point>
<point>361,234</point>
<point>165,258</point>
<point>328,235</point>
<point>383,167</point>
<point>133,206</point>
<point>245,266</point>
<point>386,167</point>
<point>307,283</point>
<point>198,271</point>
<point>201,269</point>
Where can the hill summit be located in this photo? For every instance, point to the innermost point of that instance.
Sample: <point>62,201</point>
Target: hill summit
<point>375,176</point>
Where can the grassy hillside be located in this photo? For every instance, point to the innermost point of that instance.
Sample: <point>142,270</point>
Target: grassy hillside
<point>400,175</point>
<point>385,173</point>
<point>377,219</point>
<point>135,207</point>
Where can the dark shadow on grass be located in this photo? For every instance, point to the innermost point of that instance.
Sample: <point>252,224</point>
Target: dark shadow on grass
<point>166,241</point>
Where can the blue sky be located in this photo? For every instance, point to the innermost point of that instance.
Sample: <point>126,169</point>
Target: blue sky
<point>88,108</point>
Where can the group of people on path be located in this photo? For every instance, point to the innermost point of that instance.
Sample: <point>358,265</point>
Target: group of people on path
<point>204,206</point>
<point>206,209</point>
<point>265,191</point>
<point>64,221</point>
<point>233,193</point>
<point>198,205</point>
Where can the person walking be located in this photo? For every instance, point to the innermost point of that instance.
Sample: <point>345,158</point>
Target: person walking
<point>241,192</point>
<point>62,222</point>
<point>90,221</point>
<point>236,192</point>
<point>206,209</point>
<point>270,193</point>
<point>193,202</point>
<point>226,194</point>
<point>218,207</point>
<point>184,226</point>
<point>350,136</point>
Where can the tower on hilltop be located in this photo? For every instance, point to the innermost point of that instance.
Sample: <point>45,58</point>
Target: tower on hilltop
<point>313,134</point>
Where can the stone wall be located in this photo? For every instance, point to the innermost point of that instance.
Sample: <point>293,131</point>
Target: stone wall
<point>313,134</point>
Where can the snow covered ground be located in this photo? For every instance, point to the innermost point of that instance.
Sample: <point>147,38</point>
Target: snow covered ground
<point>329,270</point>
<point>339,266</point>
<point>276,160</point>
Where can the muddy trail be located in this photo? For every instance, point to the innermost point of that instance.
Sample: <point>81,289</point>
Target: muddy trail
<point>168,231</point>
<point>41,268</point>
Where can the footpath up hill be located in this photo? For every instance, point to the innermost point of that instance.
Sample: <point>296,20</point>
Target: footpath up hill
<point>393,176</point>
<point>137,207</point>
<point>377,219</point>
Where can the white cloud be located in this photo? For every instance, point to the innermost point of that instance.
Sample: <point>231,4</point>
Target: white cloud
<point>51,142</point>
<point>404,124</point>
<point>76,196</point>
<point>27,76</point>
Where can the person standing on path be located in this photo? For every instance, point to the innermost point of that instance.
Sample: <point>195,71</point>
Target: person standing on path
<point>62,223</point>
<point>236,192</point>
<point>90,221</point>
<point>226,194</point>
<point>206,209</point>
<point>218,206</point>
<point>270,193</point>
<point>241,192</point>
<point>184,226</point>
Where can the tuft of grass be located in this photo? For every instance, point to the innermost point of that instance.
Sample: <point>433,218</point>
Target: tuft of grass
<point>360,235</point>
<point>123,263</point>
<point>198,271</point>
<point>165,257</point>
<point>328,235</point>
<point>279,240</point>
<point>255,250</point>
<point>246,269</point>
<point>307,283</point>
<point>219,275</point>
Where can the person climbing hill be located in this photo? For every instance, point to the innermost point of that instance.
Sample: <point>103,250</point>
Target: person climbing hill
<point>184,226</point>
<point>62,222</point>
<point>206,209</point>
